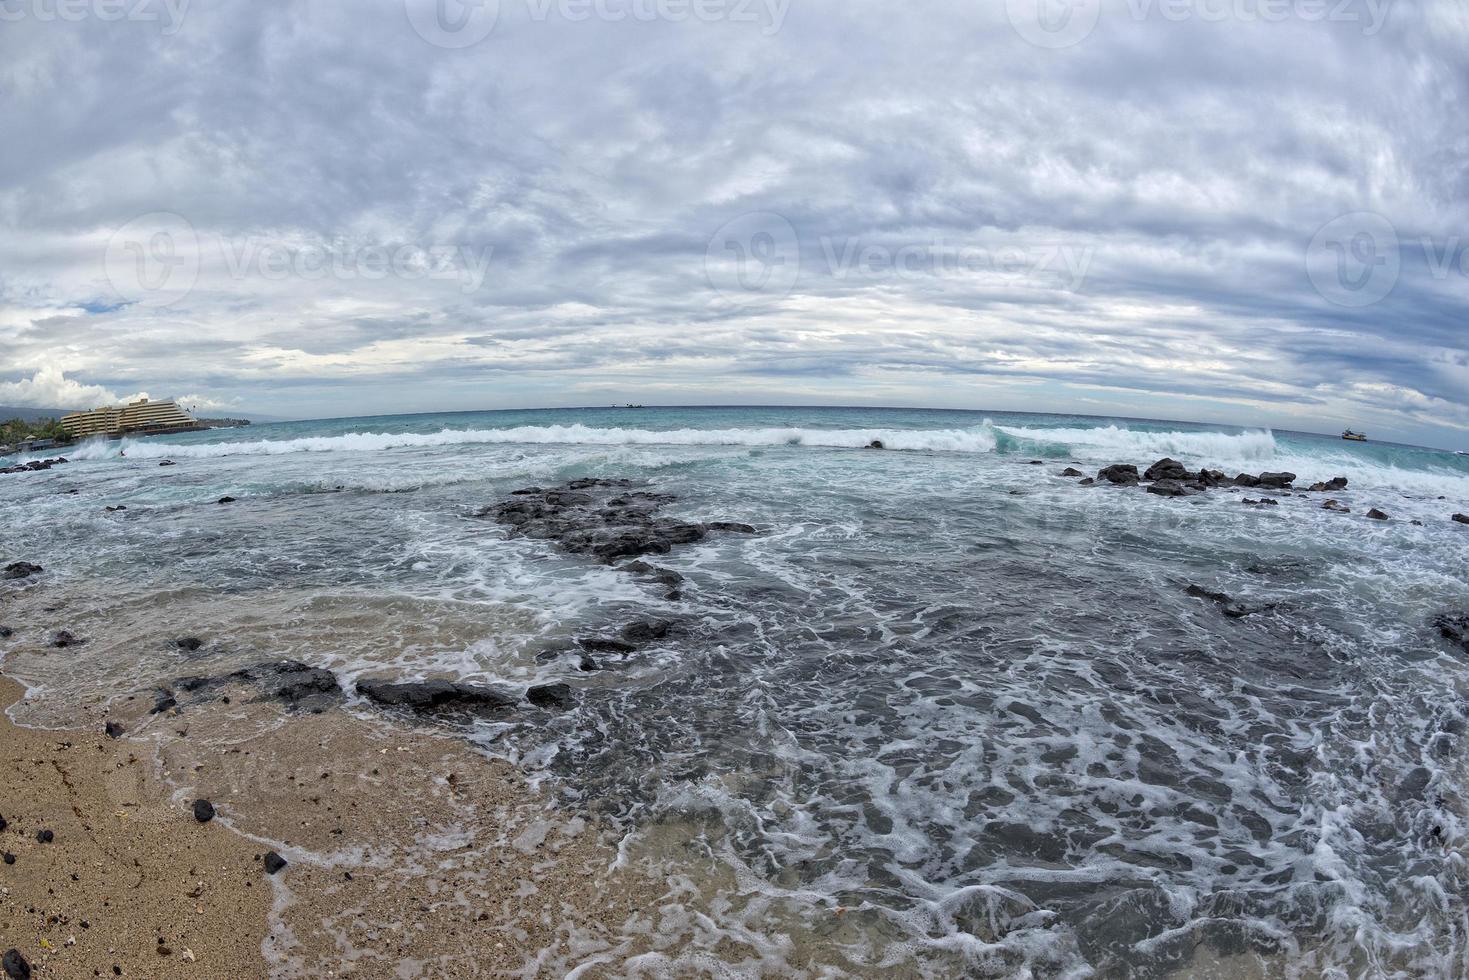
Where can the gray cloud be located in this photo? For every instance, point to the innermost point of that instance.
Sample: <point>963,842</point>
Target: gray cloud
<point>926,160</point>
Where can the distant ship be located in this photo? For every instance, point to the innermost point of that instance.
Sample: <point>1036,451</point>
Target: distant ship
<point>1351,436</point>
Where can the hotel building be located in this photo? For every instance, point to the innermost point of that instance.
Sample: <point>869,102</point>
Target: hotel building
<point>142,417</point>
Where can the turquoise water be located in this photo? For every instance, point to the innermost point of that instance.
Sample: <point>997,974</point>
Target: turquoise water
<point>951,693</point>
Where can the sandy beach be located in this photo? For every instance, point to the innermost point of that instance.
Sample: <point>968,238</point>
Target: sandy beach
<point>407,854</point>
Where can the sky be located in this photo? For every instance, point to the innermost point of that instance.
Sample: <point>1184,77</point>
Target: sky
<point>1240,211</point>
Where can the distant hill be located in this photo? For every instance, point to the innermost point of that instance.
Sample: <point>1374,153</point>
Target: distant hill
<point>8,412</point>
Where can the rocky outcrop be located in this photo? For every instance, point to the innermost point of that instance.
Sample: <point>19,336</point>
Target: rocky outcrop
<point>34,465</point>
<point>20,569</point>
<point>1333,485</point>
<point>1227,605</point>
<point>437,697</point>
<point>1460,518</point>
<point>1121,474</point>
<point>604,519</point>
<point>290,682</point>
<point>1262,502</point>
<point>1072,471</point>
<point>1377,515</point>
<point>1167,468</point>
<point>1337,506</point>
<point>1276,481</point>
<point>1170,488</point>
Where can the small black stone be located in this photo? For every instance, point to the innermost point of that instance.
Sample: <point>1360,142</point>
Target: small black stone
<point>274,862</point>
<point>45,836</point>
<point>9,858</point>
<point>226,500</point>
<point>189,643</point>
<point>3,824</point>
<point>203,811</point>
<point>16,967</point>
<point>113,730</point>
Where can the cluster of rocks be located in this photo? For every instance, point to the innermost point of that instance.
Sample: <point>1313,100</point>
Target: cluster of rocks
<point>1170,478</point>
<point>603,519</point>
<point>300,687</point>
<point>34,465</point>
<point>20,570</point>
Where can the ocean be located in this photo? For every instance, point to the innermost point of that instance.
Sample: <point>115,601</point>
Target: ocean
<point>945,713</point>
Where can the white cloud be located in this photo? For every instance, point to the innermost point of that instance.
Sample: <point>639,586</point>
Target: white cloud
<point>51,388</point>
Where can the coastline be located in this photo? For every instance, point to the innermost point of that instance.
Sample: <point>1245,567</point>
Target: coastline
<point>409,854</point>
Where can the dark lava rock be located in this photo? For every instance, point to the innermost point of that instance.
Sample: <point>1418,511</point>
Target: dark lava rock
<point>436,697</point>
<point>163,700</point>
<point>604,519</point>
<point>1337,506</point>
<point>1277,481</point>
<point>1227,605</point>
<point>1330,486</point>
<point>1460,518</point>
<point>1262,502</point>
<point>1167,468</point>
<point>7,857</point>
<point>646,631</point>
<point>189,643</point>
<point>1170,488</point>
<point>289,681</point>
<point>203,811</point>
<point>588,663</point>
<point>1246,480</point>
<point>731,527</point>
<point>226,500</point>
<point>20,569</point>
<point>1124,474</point>
<point>876,444</point>
<point>550,696</point>
<point>6,632</point>
<point>1377,515</point>
<point>1455,628</point>
<point>604,644</point>
<point>1088,482</point>
<point>45,836</point>
<point>16,967</point>
<point>1072,471</point>
<point>166,462</point>
<point>113,730</point>
<point>113,510</point>
<point>62,639</point>
<point>664,576</point>
<point>1214,478</point>
<point>274,862</point>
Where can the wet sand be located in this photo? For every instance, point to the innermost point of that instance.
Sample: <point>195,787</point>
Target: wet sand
<point>409,854</point>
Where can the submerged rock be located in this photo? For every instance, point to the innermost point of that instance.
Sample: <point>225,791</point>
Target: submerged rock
<point>1262,502</point>
<point>1454,627</point>
<point>1460,518</point>
<point>1170,488</point>
<point>62,639</point>
<point>113,730</point>
<point>226,500</point>
<point>876,444</point>
<point>604,519</point>
<point>1227,605</point>
<point>1072,471</point>
<point>1377,515</point>
<point>1334,484</point>
<point>20,569</point>
<point>436,697</point>
<point>188,643</point>
<point>289,681</point>
<point>1336,506</point>
<point>550,696</point>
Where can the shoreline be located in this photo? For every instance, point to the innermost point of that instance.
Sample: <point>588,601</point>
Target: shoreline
<point>408,853</point>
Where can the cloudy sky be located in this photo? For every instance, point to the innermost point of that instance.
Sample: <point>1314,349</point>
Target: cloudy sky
<point>1248,211</point>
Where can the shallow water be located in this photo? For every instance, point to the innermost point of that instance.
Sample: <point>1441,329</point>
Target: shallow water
<point>947,714</point>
